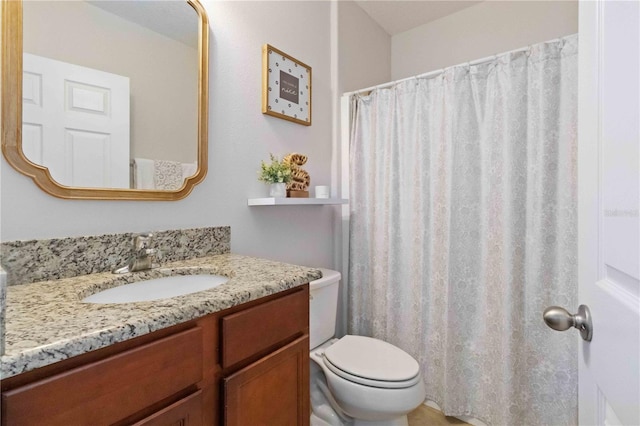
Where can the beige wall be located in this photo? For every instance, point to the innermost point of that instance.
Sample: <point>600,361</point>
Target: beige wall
<point>364,49</point>
<point>484,29</point>
<point>162,72</point>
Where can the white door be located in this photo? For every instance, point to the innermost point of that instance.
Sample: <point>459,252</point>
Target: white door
<point>609,276</point>
<point>75,122</point>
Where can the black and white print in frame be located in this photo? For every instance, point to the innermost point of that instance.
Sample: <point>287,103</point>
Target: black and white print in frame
<point>286,86</point>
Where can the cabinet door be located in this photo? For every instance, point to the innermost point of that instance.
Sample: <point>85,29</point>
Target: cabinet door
<point>186,412</point>
<point>273,391</point>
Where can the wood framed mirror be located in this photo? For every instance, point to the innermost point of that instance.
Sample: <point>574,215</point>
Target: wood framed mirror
<point>106,99</point>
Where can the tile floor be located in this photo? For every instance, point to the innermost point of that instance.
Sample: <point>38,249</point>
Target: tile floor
<point>427,416</point>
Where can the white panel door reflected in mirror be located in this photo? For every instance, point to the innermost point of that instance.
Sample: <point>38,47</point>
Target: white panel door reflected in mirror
<point>75,122</point>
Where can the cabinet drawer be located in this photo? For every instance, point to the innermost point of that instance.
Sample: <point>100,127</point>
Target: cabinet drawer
<point>186,412</point>
<point>253,330</point>
<point>111,389</point>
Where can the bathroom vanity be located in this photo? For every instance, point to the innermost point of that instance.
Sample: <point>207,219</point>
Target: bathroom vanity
<point>237,354</point>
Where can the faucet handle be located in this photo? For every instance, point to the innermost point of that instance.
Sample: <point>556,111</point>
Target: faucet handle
<point>142,241</point>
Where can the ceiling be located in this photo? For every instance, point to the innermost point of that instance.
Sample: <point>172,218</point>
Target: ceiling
<point>176,20</point>
<point>397,16</point>
<point>179,21</point>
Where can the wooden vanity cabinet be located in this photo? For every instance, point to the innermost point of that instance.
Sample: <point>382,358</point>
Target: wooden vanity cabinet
<point>247,365</point>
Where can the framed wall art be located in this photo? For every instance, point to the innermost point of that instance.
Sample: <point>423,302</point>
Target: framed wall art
<point>286,86</point>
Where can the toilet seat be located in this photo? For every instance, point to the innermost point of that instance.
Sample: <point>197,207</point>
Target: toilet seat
<point>369,382</point>
<point>372,362</point>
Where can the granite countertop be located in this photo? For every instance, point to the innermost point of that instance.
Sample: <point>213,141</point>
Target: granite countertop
<point>47,322</point>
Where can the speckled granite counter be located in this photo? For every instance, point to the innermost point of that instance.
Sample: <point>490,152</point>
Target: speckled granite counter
<point>48,323</point>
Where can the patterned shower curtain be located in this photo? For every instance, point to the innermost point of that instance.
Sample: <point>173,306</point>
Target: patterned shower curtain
<point>463,230</point>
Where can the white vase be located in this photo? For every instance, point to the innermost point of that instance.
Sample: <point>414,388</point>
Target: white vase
<point>278,190</point>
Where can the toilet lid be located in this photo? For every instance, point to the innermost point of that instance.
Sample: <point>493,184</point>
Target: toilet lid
<point>372,359</point>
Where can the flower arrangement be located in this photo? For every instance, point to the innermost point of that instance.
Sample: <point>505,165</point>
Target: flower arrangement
<point>276,172</point>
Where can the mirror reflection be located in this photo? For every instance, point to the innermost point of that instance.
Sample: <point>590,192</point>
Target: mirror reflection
<point>110,92</point>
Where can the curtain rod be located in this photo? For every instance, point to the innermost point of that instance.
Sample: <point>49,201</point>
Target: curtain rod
<point>441,70</point>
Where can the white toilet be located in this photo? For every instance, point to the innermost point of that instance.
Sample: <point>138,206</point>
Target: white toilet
<point>356,380</point>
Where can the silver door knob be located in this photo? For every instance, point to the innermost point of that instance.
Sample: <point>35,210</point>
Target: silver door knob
<point>560,319</point>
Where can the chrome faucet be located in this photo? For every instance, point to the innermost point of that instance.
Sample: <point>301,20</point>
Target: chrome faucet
<point>143,258</point>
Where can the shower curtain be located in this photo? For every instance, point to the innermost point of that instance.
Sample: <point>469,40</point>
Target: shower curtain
<point>463,230</point>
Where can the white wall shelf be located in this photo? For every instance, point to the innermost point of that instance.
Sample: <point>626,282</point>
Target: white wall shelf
<point>296,201</point>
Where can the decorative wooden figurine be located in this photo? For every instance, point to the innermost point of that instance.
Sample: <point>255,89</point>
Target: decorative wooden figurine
<point>300,179</point>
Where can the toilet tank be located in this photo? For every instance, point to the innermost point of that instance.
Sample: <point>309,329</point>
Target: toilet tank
<point>323,307</point>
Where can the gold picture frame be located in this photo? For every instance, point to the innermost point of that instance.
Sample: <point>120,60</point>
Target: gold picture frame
<point>286,86</point>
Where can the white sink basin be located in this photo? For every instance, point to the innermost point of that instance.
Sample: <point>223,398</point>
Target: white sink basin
<point>159,288</point>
